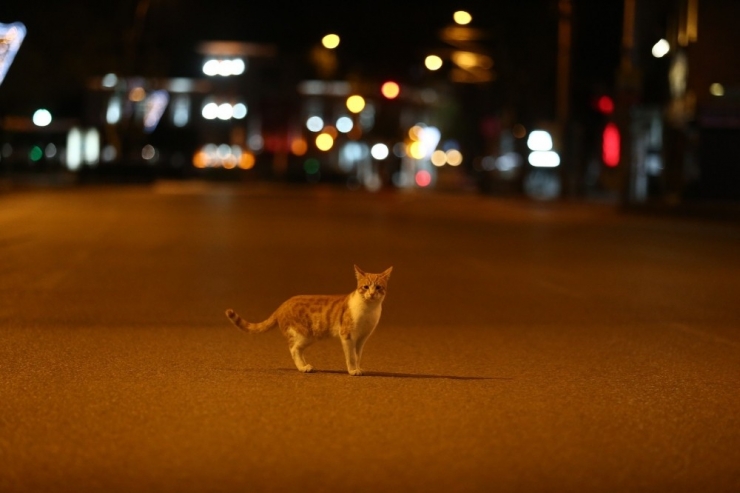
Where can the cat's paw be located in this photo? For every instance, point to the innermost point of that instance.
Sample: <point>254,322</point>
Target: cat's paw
<point>356,373</point>
<point>307,369</point>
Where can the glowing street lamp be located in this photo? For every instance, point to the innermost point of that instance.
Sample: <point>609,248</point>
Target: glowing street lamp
<point>330,41</point>
<point>433,62</point>
<point>461,17</point>
<point>355,103</point>
<point>390,90</point>
<point>661,48</point>
<point>41,118</point>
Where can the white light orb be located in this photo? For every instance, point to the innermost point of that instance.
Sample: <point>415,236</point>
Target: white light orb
<point>210,111</point>
<point>41,118</point>
<point>379,151</point>
<point>315,124</point>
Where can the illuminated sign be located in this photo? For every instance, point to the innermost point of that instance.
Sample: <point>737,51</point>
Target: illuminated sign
<point>154,108</point>
<point>11,37</point>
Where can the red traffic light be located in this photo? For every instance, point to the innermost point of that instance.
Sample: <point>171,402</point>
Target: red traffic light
<point>610,145</point>
<point>605,105</point>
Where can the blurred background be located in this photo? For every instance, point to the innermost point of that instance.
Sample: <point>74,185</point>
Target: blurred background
<point>628,101</point>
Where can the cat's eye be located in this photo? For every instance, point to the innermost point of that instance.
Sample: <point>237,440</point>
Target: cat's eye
<point>365,287</point>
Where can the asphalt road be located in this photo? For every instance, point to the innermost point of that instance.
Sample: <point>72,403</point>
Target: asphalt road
<point>523,347</point>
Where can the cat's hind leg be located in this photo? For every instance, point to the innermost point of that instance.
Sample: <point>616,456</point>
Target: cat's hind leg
<point>297,343</point>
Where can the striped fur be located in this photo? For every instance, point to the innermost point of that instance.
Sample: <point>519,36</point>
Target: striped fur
<point>304,319</point>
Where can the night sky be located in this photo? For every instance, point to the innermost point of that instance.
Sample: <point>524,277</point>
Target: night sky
<point>70,41</point>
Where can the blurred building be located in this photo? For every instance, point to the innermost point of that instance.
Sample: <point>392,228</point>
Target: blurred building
<point>679,100</point>
<point>252,116</point>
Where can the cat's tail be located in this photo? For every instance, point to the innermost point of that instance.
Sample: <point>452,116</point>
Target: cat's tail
<point>249,327</point>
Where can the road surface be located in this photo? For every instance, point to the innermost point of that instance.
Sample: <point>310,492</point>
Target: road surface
<point>523,346</point>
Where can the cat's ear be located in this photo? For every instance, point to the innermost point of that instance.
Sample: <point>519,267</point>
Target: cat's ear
<point>359,273</point>
<point>387,273</point>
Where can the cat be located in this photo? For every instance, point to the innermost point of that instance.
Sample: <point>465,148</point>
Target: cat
<point>304,319</point>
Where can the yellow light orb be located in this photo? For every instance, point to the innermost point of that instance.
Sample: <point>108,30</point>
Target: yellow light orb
<point>246,161</point>
<point>416,150</point>
<point>330,41</point>
<point>439,158</point>
<point>433,62</point>
<point>137,94</point>
<point>461,17</point>
<point>355,103</point>
<point>717,89</point>
<point>454,157</point>
<point>299,147</point>
<point>324,142</point>
<point>331,131</point>
<point>415,132</point>
<point>200,160</point>
<point>390,90</point>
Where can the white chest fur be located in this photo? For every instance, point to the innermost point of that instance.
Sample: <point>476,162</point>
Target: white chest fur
<point>364,314</point>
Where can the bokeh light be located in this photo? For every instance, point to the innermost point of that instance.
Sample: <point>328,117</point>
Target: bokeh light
<point>379,151</point>
<point>35,154</point>
<point>544,159</point>
<point>225,111</point>
<point>330,41</point>
<point>330,130</point>
<point>415,132</point>
<point>344,124</point>
<point>137,94</point>
<point>246,161</point>
<point>210,111</point>
<point>239,111</point>
<point>461,17</point>
<point>661,48</point>
<point>539,140</point>
<point>110,80</point>
<point>315,124</point>
<point>423,178</point>
<point>433,62</point>
<point>324,141</point>
<point>299,147</point>
<point>454,157</point>
<point>390,90</point>
<point>41,118</point>
<point>355,103</point>
<point>416,150</point>
<point>717,89</point>
<point>439,158</point>
<point>311,166</point>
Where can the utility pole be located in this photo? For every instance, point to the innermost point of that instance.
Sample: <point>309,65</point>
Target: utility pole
<point>562,97</point>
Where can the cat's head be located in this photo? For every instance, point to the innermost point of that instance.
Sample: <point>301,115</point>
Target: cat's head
<point>372,287</point>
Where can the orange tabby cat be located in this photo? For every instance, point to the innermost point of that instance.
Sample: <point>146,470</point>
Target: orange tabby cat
<point>304,319</point>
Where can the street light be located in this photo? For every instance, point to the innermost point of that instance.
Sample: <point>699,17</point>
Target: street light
<point>661,48</point>
<point>330,41</point>
<point>461,17</point>
<point>433,62</point>
<point>355,103</point>
<point>41,118</point>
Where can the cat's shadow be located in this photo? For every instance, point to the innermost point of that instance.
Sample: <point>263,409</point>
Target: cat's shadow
<point>386,374</point>
<point>371,374</point>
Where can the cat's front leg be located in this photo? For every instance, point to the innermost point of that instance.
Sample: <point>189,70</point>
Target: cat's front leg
<point>350,354</point>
